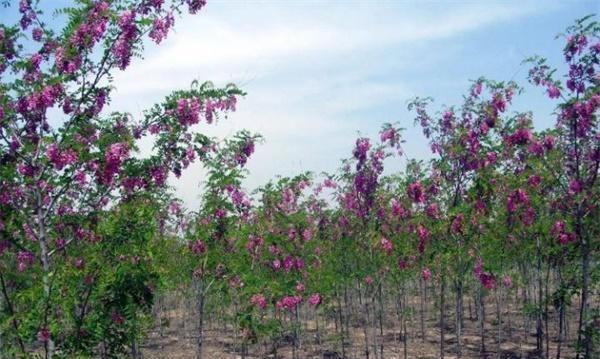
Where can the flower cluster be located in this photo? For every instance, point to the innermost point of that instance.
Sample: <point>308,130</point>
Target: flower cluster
<point>259,300</point>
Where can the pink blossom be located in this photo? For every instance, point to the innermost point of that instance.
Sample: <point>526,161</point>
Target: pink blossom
<point>291,302</point>
<point>553,91</point>
<point>534,180</point>
<point>276,264</point>
<point>575,187</point>
<point>488,280</point>
<point>361,149</point>
<point>25,259</point>
<point>259,300</point>
<point>188,111</point>
<point>124,44</point>
<point>314,300</point>
<point>402,264</point>
<point>195,5</point>
<point>432,210</point>
<point>306,234</point>
<point>37,34</point>
<point>79,263</point>
<point>197,247</point>
<point>457,224</point>
<point>415,192</point>
<point>387,245</point>
<point>43,335</point>
<point>160,28</point>
<point>425,274</point>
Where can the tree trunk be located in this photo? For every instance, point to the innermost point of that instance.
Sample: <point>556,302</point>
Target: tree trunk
<point>459,316</point>
<point>200,342</point>
<point>561,315</point>
<point>539,330</point>
<point>380,320</point>
<point>584,343</point>
<point>366,325</point>
<point>499,319</point>
<point>422,311</point>
<point>404,330</point>
<point>481,306</point>
<point>442,314</point>
<point>45,257</point>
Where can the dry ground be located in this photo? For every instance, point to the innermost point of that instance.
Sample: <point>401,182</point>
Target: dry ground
<point>179,338</point>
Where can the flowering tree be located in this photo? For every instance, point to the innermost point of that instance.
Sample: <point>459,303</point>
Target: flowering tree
<point>578,139</point>
<point>466,142</point>
<point>213,251</point>
<point>64,161</point>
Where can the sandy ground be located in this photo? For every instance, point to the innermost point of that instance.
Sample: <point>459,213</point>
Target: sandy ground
<point>178,340</point>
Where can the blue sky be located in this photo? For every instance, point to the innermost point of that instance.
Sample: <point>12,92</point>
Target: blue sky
<point>319,72</point>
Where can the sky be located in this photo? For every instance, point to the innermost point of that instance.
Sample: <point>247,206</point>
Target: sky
<point>319,73</point>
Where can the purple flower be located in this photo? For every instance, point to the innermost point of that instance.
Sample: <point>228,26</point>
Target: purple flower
<point>387,245</point>
<point>37,34</point>
<point>306,234</point>
<point>553,91</point>
<point>499,102</point>
<point>43,335</point>
<point>425,274</point>
<point>314,300</point>
<point>457,224</point>
<point>25,260</point>
<point>575,187</point>
<point>291,302</point>
<point>361,149</point>
<point>188,111</point>
<point>124,44</point>
<point>507,281</point>
<point>195,5</point>
<point>197,247</point>
<point>415,192</point>
<point>160,28</point>
<point>259,300</point>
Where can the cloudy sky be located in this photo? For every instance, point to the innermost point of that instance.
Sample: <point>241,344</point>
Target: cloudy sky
<point>317,73</point>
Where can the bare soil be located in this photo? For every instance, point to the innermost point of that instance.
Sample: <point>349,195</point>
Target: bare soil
<point>179,336</point>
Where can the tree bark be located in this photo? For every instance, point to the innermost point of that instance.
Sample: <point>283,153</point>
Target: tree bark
<point>200,308</point>
<point>442,314</point>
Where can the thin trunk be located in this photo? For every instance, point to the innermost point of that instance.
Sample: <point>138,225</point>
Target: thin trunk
<point>297,341</point>
<point>442,316</point>
<point>404,330</point>
<point>584,343</point>
<point>200,308</point>
<point>381,320</point>
<point>481,306</point>
<point>341,326</point>
<point>347,315</point>
<point>525,302</point>
<point>499,319</point>
<point>459,317</point>
<point>422,311</point>
<point>470,309</point>
<point>45,256</point>
<point>546,313</point>
<point>365,326</point>
<point>318,332</point>
<point>561,314</point>
<point>539,330</point>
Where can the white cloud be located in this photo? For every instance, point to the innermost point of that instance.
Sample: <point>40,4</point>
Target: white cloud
<point>307,69</point>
